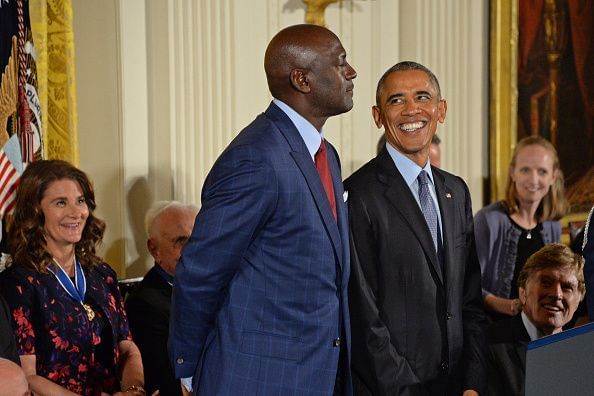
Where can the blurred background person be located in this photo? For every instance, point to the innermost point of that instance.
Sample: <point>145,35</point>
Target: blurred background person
<point>551,285</point>
<point>508,232</point>
<point>435,151</point>
<point>71,329</point>
<point>168,226</point>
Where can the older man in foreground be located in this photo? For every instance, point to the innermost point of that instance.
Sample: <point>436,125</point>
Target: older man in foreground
<point>551,286</point>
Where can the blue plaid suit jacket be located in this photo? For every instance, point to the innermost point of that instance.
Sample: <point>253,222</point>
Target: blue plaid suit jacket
<point>261,288</point>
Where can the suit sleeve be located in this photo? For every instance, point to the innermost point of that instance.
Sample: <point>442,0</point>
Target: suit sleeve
<point>238,196</point>
<point>495,382</point>
<point>474,319</point>
<point>19,291</point>
<point>482,236</point>
<point>8,348</point>
<point>375,360</point>
<point>147,315</point>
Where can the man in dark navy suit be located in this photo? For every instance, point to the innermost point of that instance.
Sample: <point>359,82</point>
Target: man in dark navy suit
<point>260,294</point>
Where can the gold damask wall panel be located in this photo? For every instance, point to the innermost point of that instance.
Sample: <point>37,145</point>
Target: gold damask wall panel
<point>51,23</point>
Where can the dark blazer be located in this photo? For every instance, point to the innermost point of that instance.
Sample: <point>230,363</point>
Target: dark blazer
<point>260,291</point>
<point>507,341</point>
<point>415,329</point>
<point>148,309</point>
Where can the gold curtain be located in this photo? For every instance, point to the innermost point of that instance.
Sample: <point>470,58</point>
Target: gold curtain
<point>51,23</point>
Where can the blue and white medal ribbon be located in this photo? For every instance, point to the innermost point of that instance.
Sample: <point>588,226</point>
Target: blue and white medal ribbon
<point>77,289</point>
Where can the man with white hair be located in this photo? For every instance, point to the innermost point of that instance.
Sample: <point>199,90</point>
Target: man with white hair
<point>168,226</point>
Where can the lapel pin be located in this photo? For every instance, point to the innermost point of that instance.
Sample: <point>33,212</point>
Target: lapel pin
<point>345,196</point>
<point>448,195</point>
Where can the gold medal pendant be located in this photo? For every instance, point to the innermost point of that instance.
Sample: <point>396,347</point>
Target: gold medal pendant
<point>90,312</point>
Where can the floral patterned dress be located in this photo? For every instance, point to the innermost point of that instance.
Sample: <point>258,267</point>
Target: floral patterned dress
<point>71,350</point>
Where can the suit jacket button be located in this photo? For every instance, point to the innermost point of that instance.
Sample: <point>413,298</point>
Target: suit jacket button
<point>336,342</point>
<point>179,360</point>
<point>444,367</point>
<point>449,316</point>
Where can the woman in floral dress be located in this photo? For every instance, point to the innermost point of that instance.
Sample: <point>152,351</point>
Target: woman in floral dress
<point>68,316</point>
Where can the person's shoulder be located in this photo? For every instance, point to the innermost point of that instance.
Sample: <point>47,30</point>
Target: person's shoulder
<point>15,271</point>
<point>362,177</point>
<point>151,284</point>
<point>151,294</point>
<point>105,271</point>
<point>253,145</point>
<point>501,331</point>
<point>493,210</point>
<point>146,296</point>
<point>552,225</point>
<point>453,181</point>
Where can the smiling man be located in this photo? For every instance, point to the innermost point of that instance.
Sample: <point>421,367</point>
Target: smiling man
<point>415,294</point>
<point>551,285</point>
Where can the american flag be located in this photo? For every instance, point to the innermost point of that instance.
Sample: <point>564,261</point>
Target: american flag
<point>11,168</point>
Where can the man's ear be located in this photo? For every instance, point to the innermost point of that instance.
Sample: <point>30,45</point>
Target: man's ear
<point>377,116</point>
<point>300,80</point>
<point>522,295</point>
<point>442,109</point>
<point>152,248</point>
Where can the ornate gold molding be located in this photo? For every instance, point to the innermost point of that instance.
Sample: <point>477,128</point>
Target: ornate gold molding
<point>314,12</point>
<point>503,97</point>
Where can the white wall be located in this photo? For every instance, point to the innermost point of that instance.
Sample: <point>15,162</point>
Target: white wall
<point>164,85</point>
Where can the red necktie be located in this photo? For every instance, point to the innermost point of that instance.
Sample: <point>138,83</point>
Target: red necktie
<point>321,159</point>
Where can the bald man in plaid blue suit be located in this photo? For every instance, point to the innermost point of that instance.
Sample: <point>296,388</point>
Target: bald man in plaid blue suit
<point>260,295</point>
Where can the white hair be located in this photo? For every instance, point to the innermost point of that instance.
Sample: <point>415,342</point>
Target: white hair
<point>158,208</point>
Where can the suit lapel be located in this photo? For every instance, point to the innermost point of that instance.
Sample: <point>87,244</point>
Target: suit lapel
<point>446,201</point>
<point>307,167</point>
<point>399,195</point>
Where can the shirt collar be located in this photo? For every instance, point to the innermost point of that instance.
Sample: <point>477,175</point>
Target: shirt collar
<point>530,328</point>
<point>407,167</point>
<point>168,278</point>
<point>310,135</point>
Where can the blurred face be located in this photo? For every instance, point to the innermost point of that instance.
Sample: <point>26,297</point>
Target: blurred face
<point>65,212</point>
<point>533,174</point>
<point>171,229</point>
<point>409,111</point>
<point>331,79</point>
<point>550,298</point>
<point>435,155</point>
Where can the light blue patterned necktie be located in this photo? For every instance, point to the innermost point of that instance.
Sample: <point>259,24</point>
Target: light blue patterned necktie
<point>428,206</point>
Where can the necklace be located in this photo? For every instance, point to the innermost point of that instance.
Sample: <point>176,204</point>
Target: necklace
<point>76,289</point>
<point>529,234</point>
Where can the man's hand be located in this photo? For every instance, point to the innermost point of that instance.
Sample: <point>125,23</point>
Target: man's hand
<point>470,392</point>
